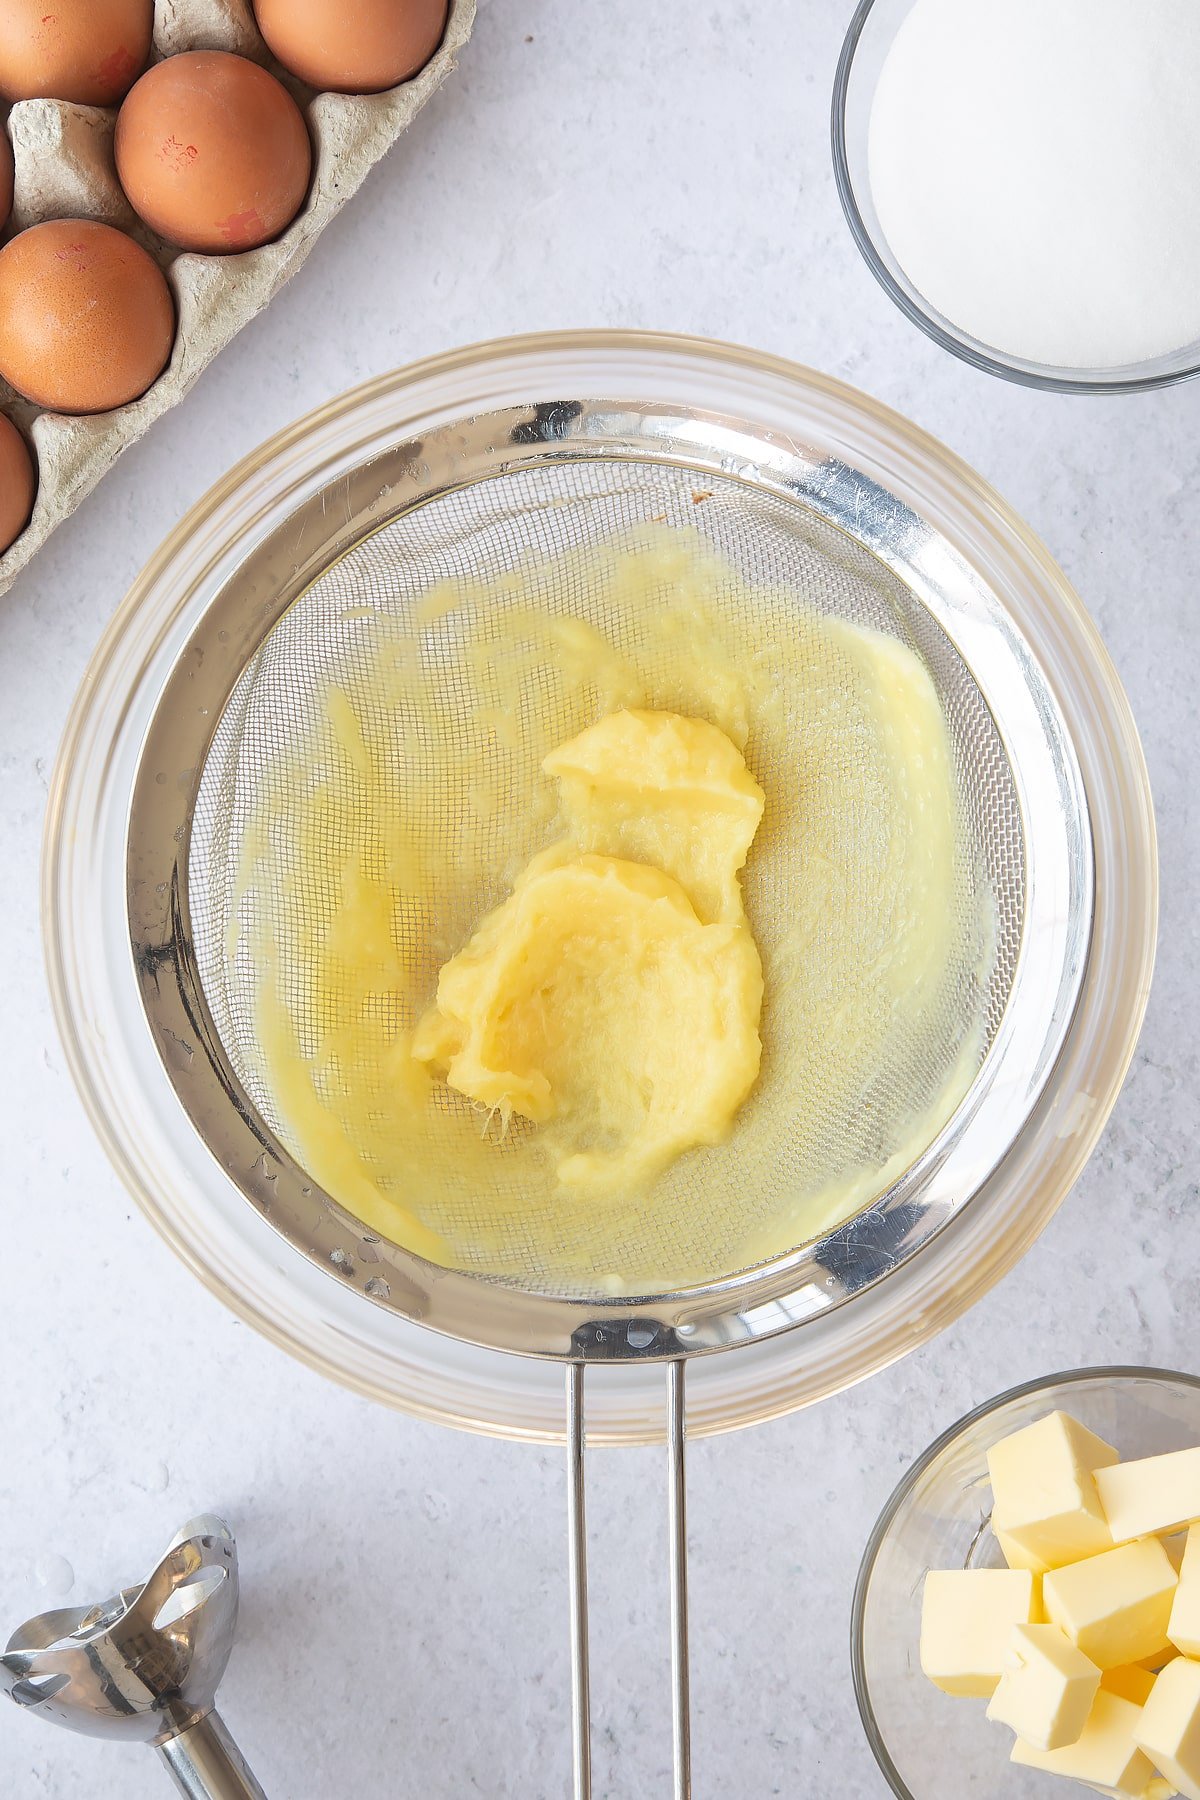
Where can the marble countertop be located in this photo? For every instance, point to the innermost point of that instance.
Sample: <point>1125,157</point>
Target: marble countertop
<point>404,1616</point>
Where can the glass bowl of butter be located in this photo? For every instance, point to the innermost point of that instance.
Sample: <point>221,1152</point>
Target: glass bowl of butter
<point>1040,1533</point>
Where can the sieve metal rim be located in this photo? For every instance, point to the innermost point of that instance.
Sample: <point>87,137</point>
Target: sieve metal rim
<point>739,1309</point>
<point>186,1197</point>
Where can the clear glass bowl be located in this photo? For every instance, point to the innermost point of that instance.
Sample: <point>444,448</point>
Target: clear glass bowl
<point>930,1745</point>
<point>187,1194</point>
<point>868,40</point>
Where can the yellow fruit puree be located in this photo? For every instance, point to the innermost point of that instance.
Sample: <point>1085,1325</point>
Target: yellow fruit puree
<point>615,995</point>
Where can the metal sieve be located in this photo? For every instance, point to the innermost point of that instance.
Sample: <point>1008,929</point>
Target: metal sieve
<point>360,624</point>
<point>523,486</point>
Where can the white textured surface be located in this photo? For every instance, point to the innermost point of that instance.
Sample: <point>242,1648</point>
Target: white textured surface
<point>404,1620</point>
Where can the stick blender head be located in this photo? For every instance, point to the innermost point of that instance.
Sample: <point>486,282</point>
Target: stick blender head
<point>144,1666</point>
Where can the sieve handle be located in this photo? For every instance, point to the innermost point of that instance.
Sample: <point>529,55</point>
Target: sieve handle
<point>681,1686</point>
<point>581,1706</point>
<point>581,1692</point>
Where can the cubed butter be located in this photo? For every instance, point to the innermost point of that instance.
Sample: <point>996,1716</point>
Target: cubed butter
<point>967,1618</point>
<point>1183,1628</point>
<point>1106,1754</point>
<point>1131,1681</point>
<point>1044,1496</point>
<point>1175,1545</point>
<point>1169,1728</point>
<point>1115,1606</point>
<point>1157,1788</point>
<point>1046,1692</point>
<point>1159,1493</point>
<point>1015,1555</point>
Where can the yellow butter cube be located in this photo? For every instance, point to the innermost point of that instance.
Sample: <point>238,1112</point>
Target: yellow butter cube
<point>1169,1728</point>
<point>1046,1692</point>
<point>1131,1681</point>
<point>1015,1555</point>
<point>1159,1493</point>
<point>1115,1606</point>
<point>1106,1755</point>
<point>1183,1628</point>
<point>1044,1493</point>
<point>967,1617</point>
<point>1175,1546</point>
<point>1157,1788</point>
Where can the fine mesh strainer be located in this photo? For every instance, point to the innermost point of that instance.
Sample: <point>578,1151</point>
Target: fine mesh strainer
<point>565,536</point>
<point>522,486</point>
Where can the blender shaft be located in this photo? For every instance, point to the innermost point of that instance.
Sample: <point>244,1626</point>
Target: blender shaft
<point>206,1764</point>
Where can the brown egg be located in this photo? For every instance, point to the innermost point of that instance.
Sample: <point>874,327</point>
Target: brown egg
<point>6,178</point>
<point>86,50</point>
<point>86,318</point>
<point>352,46</point>
<point>212,152</point>
<point>17,483</point>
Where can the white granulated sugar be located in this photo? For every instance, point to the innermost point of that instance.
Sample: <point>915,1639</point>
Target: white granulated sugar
<point>1035,167</point>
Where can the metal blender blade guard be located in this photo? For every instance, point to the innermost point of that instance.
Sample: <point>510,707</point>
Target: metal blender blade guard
<point>145,1665</point>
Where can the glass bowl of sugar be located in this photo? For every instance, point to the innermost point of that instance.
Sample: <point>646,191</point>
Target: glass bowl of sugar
<point>928,1744</point>
<point>1021,177</point>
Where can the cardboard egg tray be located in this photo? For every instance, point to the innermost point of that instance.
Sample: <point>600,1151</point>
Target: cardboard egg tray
<point>64,169</point>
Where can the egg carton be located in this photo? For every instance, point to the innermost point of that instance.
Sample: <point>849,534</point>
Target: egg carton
<point>63,155</point>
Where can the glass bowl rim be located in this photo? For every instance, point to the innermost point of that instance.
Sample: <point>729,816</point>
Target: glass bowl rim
<point>1046,378</point>
<point>1111,1372</point>
<point>912,1307</point>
